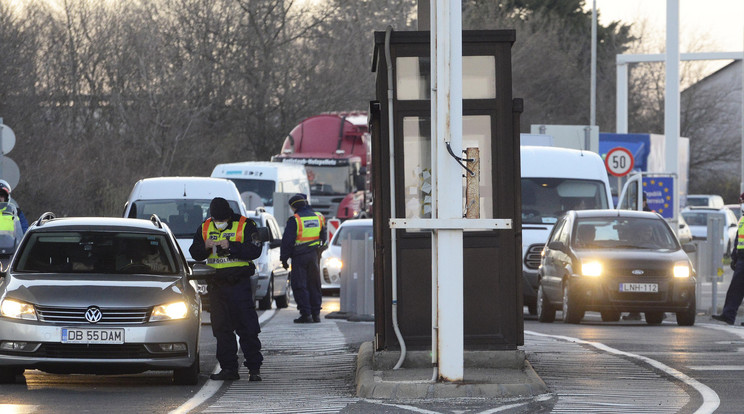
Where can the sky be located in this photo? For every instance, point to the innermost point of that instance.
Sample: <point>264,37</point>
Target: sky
<point>721,21</point>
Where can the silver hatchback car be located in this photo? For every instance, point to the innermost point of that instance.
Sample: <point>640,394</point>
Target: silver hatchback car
<point>99,295</point>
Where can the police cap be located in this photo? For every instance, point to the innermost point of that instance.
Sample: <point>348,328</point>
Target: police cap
<point>220,209</point>
<point>298,200</point>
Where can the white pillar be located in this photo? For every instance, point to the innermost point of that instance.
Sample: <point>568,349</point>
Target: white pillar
<point>449,261</point>
<point>621,98</point>
<point>593,75</point>
<point>671,95</point>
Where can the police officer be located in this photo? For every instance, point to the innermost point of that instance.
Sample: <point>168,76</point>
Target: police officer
<point>304,236</point>
<point>735,292</point>
<point>229,242</point>
<point>5,197</point>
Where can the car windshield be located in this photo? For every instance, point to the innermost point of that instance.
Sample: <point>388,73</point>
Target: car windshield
<point>329,180</point>
<point>546,199</point>
<point>623,233</point>
<point>183,216</point>
<point>96,252</point>
<point>264,188</point>
<point>697,218</point>
<point>352,233</point>
<point>697,201</point>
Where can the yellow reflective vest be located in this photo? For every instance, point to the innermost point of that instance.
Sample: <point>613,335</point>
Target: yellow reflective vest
<point>234,233</point>
<point>308,229</point>
<point>740,235</point>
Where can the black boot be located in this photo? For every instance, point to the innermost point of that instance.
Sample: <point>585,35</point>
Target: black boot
<point>225,375</point>
<point>316,318</point>
<point>303,319</point>
<point>255,375</point>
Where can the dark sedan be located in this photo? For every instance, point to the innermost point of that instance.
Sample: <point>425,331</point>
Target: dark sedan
<point>613,261</point>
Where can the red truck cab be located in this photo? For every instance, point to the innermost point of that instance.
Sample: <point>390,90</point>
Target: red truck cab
<point>334,148</point>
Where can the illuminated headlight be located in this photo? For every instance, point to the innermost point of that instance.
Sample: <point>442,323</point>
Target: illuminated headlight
<point>334,262</point>
<point>681,269</point>
<point>175,310</point>
<point>18,310</point>
<point>591,269</point>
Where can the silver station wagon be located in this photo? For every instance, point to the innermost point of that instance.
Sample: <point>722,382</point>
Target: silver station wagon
<point>96,295</point>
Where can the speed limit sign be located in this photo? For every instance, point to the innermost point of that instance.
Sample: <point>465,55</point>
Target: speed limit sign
<point>619,161</point>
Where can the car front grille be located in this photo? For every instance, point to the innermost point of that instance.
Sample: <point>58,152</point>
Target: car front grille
<point>93,351</point>
<point>533,256</point>
<point>77,315</point>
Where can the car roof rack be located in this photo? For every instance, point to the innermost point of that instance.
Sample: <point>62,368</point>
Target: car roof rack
<point>156,221</point>
<point>45,217</point>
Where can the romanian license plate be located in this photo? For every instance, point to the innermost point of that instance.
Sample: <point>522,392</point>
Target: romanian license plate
<point>639,287</point>
<point>92,336</point>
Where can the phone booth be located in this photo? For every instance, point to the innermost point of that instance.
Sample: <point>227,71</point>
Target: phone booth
<point>492,264</point>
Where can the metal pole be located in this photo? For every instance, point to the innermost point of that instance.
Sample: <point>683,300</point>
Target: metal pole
<point>449,181</point>
<point>671,94</point>
<point>593,97</point>
<point>741,187</point>
<point>621,98</point>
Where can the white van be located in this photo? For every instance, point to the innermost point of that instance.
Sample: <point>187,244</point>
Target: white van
<point>257,181</point>
<point>181,202</point>
<point>555,180</point>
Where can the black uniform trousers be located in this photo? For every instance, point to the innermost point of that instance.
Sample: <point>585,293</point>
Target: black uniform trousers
<point>735,292</point>
<point>306,282</point>
<point>233,310</point>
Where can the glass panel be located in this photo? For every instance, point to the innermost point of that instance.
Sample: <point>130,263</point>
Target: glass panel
<point>414,78</point>
<point>417,166</point>
<point>479,77</point>
<point>476,133</point>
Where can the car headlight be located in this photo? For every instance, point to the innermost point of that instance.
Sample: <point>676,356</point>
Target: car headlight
<point>681,269</point>
<point>18,310</point>
<point>171,311</point>
<point>593,269</point>
<point>335,262</point>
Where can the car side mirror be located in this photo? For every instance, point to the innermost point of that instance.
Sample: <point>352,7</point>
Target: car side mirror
<point>689,248</point>
<point>557,245</point>
<point>263,234</point>
<point>202,271</point>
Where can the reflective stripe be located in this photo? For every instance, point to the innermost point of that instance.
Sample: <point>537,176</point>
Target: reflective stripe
<point>205,228</point>
<point>239,232</point>
<point>740,235</point>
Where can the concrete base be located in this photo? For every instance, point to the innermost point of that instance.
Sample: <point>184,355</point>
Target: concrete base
<point>486,374</point>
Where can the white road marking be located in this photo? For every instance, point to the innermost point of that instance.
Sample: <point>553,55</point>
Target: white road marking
<point>403,407</point>
<point>211,387</point>
<point>711,401</point>
<point>716,367</point>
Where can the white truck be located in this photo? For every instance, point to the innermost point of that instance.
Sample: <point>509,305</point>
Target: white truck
<point>258,181</point>
<point>555,180</point>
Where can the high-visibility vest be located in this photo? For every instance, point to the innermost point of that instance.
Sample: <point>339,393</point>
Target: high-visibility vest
<point>7,221</point>
<point>233,233</point>
<point>740,235</point>
<point>308,229</point>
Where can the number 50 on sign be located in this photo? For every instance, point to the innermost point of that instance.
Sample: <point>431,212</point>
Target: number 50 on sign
<point>619,161</point>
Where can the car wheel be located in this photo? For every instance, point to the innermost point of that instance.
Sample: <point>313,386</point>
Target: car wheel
<point>283,300</point>
<point>572,312</point>
<point>265,302</point>
<point>610,316</point>
<point>653,318</point>
<point>8,375</point>
<point>687,317</point>
<point>188,375</point>
<point>545,311</point>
